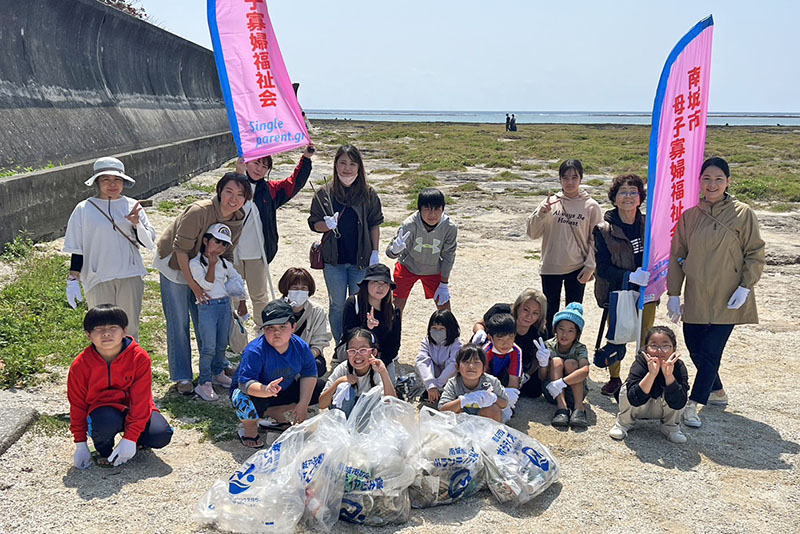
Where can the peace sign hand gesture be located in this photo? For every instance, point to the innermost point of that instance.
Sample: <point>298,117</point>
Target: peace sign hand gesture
<point>668,365</point>
<point>542,352</point>
<point>372,322</point>
<point>399,243</point>
<point>547,206</point>
<point>133,216</point>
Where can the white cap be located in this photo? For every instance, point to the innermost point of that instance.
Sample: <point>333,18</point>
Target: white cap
<point>221,232</point>
<point>108,165</point>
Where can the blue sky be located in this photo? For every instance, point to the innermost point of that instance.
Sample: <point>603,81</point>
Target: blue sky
<point>517,55</point>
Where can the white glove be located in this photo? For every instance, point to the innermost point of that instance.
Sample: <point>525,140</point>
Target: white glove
<point>245,317</point>
<point>442,294</point>
<point>342,394</point>
<point>469,400</point>
<point>674,309</point>
<point>542,353</point>
<point>479,337</point>
<point>374,258</point>
<point>556,387</point>
<point>399,243</point>
<point>738,298</point>
<point>486,398</point>
<point>124,451</point>
<point>639,277</point>
<point>331,221</point>
<point>82,459</point>
<point>513,397</point>
<point>74,293</point>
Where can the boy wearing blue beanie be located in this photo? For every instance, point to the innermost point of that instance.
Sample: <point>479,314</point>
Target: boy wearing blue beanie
<point>569,366</point>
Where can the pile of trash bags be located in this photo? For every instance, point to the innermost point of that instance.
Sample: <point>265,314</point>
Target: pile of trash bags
<point>372,468</point>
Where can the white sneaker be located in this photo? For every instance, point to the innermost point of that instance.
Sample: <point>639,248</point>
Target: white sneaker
<point>690,417</point>
<point>222,380</point>
<point>674,435</point>
<point>206,392</point>
<point>718,399</point>
<point>618,432</point>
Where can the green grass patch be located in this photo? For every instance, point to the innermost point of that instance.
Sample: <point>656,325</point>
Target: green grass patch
<point>19,248</point>
<point>466,187</point>
<point>384,171</point>
<point>216,420</point>
<point>206,188</point>
<point>37,327</point>
<point>167,207</point>
<point>594,182</point>
<point>51,425</point>
<point>532,255</point>
<point>391,224</point>
<point>506,176</point>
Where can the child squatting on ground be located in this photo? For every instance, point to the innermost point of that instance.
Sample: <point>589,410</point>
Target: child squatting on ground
<point>362,371</point>
<point>569,366</point>
<point>436,361</point>
<point>504,357</point>
<point>109,391</point>
<point>656,388</point>
<point>277,376</point>
<point>425,246</point>
<point>219,279</point>
<point>473,391</point>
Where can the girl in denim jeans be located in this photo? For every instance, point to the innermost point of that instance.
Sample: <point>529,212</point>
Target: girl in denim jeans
<point>215,276</point>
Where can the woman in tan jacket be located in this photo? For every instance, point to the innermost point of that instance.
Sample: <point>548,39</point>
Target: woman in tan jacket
<point>718,250</point>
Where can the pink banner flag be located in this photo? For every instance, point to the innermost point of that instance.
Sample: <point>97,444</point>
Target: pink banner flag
<point>263,112</point>
<point>677,144</point>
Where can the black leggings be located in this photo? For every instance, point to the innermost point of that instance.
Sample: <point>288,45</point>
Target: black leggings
<point>106,422</point>
<point>551,287</point>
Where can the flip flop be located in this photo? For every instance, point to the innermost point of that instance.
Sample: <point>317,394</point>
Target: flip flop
<point>252,443</point>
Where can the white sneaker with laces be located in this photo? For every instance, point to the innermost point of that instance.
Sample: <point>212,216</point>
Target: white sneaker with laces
<point>206,392</point>
<point>618,432</point>
<point>718,398</point>
<point>674,435</point>
<point>222,380</point>
<point>690,417</point>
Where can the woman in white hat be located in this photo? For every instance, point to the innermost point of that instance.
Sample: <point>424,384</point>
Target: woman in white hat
<point>104,234</point>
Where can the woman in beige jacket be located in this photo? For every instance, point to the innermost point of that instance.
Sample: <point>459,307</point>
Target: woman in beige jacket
<point>718,250</point>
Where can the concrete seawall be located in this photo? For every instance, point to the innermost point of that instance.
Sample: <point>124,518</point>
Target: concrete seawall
<point>80,80</point>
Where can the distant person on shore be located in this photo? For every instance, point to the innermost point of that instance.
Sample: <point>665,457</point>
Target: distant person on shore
<point>109,392</point>
<point>296,287</point>
<point>426,245</point>
<point>180,294</point>
<point>103,235</point>
<point>259,241</point>
<point>508,123</point>
<point>565,222</point>
<point>512,124</point>
<point>718,251</point>
<point>619,252</point>
<point>348,211</point>
<point>529,311</point>
<point>656,387</point>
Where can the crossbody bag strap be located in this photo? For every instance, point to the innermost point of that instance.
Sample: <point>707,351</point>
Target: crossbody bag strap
<point>113,224</point>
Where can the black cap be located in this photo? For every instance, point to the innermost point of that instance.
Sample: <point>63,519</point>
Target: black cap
<point>380,273</point>
<point>276,312</point>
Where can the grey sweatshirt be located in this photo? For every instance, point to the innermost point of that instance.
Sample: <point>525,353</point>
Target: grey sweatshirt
<point>427,252</point>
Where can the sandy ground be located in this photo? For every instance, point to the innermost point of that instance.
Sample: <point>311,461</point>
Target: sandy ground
<point>738,473</point>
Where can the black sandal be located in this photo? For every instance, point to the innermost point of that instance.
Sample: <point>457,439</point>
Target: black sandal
<point>252,443</point>
<point>560,419</point>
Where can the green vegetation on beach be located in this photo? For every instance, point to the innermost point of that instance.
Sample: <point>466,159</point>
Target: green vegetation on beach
<point>765,160</point>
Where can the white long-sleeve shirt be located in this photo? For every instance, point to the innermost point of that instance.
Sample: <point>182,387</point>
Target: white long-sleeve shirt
<point>222,272</point>
<point>436,364</point>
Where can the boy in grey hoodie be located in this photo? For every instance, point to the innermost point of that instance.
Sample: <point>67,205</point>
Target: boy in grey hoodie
<point>425,246</point>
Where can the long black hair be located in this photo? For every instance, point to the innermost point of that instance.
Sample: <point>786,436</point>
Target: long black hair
<point>362,333</point>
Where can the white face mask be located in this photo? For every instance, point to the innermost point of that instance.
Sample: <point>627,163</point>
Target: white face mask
<point>348,181</point>
<point>439,336</point>
<point>297,297</point>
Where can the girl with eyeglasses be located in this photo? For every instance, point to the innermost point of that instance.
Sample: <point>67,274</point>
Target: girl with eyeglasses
<point>656,388</point>
<point>361,371</point>
<point>619,252</point>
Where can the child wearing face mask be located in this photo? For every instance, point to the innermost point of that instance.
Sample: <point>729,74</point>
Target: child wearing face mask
<point>504,357</point>
<point>296,286</point>
<point>436,361</point>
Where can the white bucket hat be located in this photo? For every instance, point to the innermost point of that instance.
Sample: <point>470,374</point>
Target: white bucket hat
<point>221,232</point>
<point>111,166</point>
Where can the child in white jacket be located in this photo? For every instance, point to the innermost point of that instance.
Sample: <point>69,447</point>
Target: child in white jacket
<point>436,361</point>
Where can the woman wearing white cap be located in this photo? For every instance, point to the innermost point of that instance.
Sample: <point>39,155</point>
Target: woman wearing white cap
<point>104,234</point>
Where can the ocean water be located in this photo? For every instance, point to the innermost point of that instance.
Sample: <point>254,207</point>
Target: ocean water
<point>546,117</point>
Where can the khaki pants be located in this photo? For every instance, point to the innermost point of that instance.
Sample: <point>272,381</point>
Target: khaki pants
<point>123,292</point>
<point>255,275</point>
<point>648,318</point>
<point>652,409</point>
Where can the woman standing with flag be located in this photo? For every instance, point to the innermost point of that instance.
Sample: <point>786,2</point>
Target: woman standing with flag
<point>718,250</point>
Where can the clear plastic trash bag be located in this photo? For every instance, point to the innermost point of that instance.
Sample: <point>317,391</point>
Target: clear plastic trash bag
<point>451,465</point>
<point>518,468</point>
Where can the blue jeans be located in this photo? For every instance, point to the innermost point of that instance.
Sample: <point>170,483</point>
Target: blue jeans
<point>338,279</point>
<point>178,302</point>
<point>705,343</point>
<point>213,327</point>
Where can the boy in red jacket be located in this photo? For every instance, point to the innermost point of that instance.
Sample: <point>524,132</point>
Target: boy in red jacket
<point>109,392</point>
